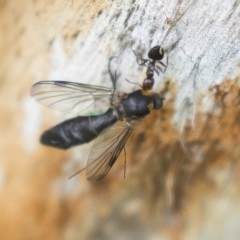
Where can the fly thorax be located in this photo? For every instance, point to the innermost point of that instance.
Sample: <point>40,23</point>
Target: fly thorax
<point>116,98</point>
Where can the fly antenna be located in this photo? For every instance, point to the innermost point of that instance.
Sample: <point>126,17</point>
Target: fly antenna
<point>112,77</point>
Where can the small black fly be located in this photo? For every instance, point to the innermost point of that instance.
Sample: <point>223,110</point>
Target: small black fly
<point>99,109</point>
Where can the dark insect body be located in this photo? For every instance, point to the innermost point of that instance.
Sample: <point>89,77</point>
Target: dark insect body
<point>99,110</point>
<point>155,55</point>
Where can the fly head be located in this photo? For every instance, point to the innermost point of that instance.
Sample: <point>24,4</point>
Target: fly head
<point>157,101</point>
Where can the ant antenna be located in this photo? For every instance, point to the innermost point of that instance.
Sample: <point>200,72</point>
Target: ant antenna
<point>174,21</point>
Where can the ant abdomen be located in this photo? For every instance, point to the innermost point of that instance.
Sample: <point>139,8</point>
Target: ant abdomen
<point>148,84</point>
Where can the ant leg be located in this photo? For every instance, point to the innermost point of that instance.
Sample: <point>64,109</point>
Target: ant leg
<point>159,68</point>
<point>140,61</point>
<point>165,65</point>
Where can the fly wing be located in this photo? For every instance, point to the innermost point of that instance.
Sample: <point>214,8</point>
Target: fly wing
<point>78,98</point>
<point>106,150</point>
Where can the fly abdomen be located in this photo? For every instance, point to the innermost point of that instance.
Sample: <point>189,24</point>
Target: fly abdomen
<point>78,130</point>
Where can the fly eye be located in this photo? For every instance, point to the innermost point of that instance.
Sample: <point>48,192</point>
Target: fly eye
<point>157,101</point>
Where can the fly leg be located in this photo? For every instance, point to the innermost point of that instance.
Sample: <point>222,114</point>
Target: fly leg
<point>125,162</point>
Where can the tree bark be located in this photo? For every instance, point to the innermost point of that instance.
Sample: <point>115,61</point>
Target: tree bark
<point>182,161</point>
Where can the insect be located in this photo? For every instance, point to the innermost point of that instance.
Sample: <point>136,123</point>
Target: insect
<point>155,55</point>
<point>99,109</point>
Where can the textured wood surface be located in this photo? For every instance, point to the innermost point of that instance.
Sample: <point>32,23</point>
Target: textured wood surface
<point>183,162</point>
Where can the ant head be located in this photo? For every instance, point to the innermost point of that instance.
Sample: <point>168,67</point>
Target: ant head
<point>156,53</point>
<point>148,83</point>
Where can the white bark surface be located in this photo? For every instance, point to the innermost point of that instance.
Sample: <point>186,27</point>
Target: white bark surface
<point>207,51</point>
